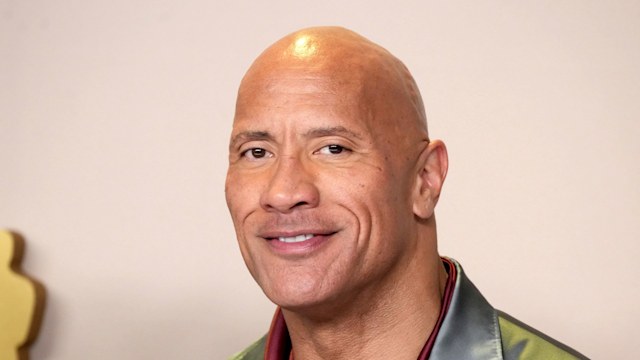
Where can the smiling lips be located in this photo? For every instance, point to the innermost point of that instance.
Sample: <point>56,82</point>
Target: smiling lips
<point>295,239</point>
<point>303,244</point>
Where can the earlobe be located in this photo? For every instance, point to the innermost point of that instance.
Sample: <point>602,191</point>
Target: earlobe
<point>432,169</point>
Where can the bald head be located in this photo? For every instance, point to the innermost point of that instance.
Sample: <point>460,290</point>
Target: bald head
<point>348,64</point>
<point>332,179</point>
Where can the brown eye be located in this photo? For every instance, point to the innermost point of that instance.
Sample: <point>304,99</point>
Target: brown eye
<point>258,153</point>
<point>255,153</point>
<point>333,149</point>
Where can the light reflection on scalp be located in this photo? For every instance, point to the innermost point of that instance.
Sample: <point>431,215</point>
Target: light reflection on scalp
<point>304,47</point>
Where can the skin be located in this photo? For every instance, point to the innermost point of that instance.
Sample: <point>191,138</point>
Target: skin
<point>330,139</point>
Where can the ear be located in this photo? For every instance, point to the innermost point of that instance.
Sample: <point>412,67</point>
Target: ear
<point>431,172</point>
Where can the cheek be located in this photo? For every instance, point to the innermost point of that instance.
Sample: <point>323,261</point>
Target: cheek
<point>368,186</point>
<point>378,187</point>
<point>381,200</point>
<point>240,194</point>
<point>239,201</point>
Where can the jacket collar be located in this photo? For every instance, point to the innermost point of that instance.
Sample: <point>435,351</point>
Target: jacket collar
<point>470,329</point>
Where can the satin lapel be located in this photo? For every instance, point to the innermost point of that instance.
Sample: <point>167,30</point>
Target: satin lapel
<point>470,329</point>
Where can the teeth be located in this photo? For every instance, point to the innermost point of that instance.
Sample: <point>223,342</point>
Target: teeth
<point>294,239</point>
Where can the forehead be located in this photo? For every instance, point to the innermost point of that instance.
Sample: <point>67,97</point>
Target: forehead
<point>301,95</point>
<point>357,87</point>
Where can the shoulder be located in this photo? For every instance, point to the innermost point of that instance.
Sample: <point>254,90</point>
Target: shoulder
<point>254,352</point>
<point>520,341</point>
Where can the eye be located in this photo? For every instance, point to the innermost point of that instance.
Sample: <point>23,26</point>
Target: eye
<point>332,149</point>
<point>255,153</point>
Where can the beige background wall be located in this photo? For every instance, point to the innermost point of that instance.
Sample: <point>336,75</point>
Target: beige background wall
<point>114,117</point>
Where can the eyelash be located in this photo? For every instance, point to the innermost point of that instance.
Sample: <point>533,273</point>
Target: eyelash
<point>260,153</point>
<point>341,149</point>
<point>252,151</point>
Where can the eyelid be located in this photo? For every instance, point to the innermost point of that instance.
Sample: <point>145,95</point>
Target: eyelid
<point>344,148</point>
<point>248,145</point>
<point>244,149</point>
<point>247,155</point>
<point>335,140</point>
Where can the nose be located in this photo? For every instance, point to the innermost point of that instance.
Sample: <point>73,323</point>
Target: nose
<point>291,187</point>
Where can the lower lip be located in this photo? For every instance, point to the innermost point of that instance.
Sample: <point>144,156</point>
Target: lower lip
<point>298,248</point>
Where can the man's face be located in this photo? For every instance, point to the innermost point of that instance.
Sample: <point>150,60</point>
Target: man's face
<point>319,187</point>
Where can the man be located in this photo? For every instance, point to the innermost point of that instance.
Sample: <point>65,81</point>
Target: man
<point>332,185</point>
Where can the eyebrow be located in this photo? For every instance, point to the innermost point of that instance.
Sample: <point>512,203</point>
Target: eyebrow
<point>330,131</point>
<point>245,136</point>
<point>257,135</point>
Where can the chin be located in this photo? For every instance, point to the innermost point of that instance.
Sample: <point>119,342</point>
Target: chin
<point>302,296</point>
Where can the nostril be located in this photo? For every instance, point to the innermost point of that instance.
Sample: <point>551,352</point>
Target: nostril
<point>301,203</point>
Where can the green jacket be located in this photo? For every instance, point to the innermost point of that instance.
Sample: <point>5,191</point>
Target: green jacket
<point>473,329</point>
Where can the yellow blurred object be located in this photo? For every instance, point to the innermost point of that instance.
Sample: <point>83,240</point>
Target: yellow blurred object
<point>21,301</point>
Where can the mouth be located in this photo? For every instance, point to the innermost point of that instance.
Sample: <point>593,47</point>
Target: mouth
<point>298,243</point>
<point>295,239</point>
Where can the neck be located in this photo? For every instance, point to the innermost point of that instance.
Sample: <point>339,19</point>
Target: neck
<point>389,321</point>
